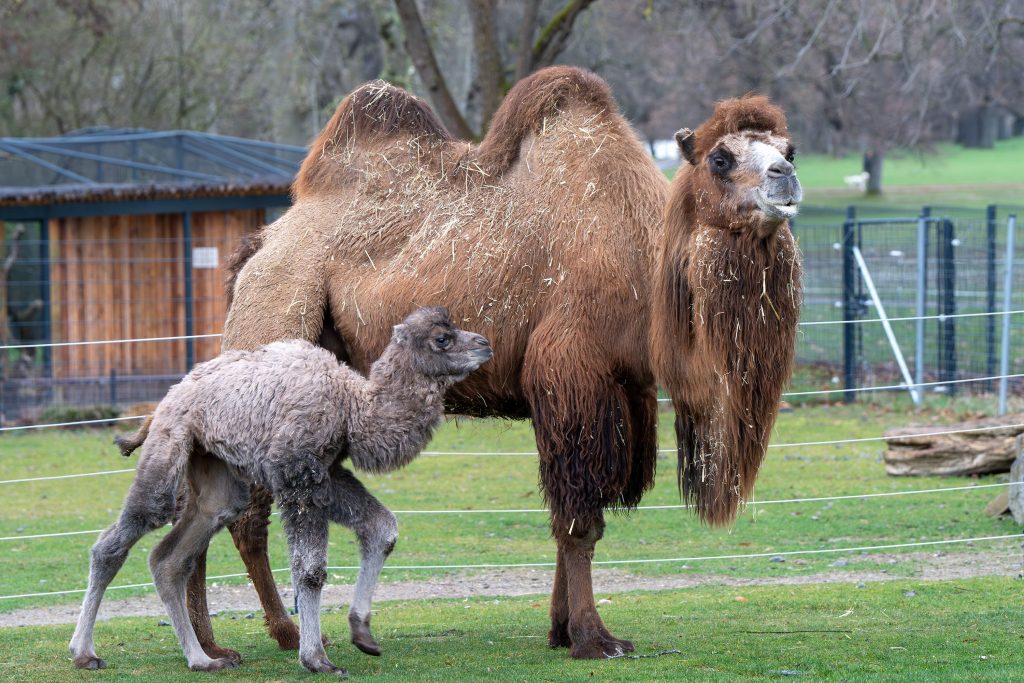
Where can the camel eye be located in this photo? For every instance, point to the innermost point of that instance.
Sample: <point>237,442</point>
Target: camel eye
<point>721,161</point>
<point>790,154</point>
<point>443,341</point>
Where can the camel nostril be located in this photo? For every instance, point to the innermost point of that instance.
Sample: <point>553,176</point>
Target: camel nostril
<point>482,341</point>
<point>780,168</point>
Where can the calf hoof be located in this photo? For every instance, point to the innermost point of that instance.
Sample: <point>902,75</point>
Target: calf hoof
<point>91,662</point>
<point>321,665</point>
<point>362,638</point>
<point>214,651</point>
<point>215,665</point>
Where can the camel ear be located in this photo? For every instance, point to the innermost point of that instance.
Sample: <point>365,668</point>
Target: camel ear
<point>686,140</point>
<point>400,334</point>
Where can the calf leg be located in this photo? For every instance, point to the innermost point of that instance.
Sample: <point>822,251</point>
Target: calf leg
<point>249,533</point>
<point>306,527</point>
<point>216,499</point>
<point>377,530</point>
<point>140,515</point>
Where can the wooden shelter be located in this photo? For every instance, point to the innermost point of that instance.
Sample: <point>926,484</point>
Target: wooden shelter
<point>123,235</point>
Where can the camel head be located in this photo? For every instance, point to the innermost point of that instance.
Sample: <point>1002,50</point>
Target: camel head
<point>437,348</point>
<point>740,166</point>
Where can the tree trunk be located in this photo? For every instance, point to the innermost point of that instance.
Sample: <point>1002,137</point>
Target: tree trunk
<point>873,165</point>
<point>489,71</point>
<point>417,44</point>
<point>961,454</point>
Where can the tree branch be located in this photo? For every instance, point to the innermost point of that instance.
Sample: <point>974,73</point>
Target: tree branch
<point>524,61</point>
<point>417,44</point>
<point>554,36</point>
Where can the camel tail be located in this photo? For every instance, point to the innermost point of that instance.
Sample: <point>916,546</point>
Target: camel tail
<point>373,112</point>
<point>128,443</point>
<point>531,103</point>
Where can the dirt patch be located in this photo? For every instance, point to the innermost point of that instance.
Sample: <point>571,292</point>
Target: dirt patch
<point>514,582</point>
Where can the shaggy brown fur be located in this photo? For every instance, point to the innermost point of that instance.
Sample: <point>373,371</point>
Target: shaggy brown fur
<point>543,238</point>
<point>726,306</point>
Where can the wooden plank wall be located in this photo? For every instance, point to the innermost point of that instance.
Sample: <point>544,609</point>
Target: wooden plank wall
<point>222,230</point>
<point>122,277</point>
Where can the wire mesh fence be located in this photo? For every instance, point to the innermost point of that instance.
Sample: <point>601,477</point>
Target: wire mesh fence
<point>932,266</point>
<point>155,285</point>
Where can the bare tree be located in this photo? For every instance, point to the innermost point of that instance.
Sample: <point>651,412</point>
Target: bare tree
<point>493,74</point>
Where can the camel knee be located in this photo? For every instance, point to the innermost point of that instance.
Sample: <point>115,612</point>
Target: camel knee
<point>380,534</point>
<point>311,575</point>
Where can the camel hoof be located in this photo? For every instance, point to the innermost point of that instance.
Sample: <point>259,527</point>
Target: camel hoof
<point>599,646</point>
<point>90,662</point>
<point>558,636</point>
<point>286,634</point>
<point>216,652</point>
<point>215,665</point>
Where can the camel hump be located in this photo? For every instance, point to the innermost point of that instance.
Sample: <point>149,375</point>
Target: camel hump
<point>541,95</point>
<point>374,111</point>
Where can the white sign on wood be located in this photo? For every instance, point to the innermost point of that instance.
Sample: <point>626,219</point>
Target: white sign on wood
<point>205,257</point>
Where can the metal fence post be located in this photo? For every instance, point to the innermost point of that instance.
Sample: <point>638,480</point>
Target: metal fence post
<point>921,303</point>
<point>1004,352</point>
<point>947,307</point>
<point>850,305</point>
<point>190,349</point>
<point>990,293</point>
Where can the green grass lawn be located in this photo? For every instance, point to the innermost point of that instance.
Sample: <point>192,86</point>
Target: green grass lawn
<point>949,174</point>
<point>896,631</point>
<point>463,482</point>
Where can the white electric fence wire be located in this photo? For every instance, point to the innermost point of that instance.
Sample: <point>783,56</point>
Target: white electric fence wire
<point>523,565</point>
<point>52,345</point>
<point>664,450</point>
<point>73,424</point>
<point>753,503</point>
<point>940,316</point>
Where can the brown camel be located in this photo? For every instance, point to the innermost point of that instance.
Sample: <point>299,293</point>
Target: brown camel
<point>546,238</point>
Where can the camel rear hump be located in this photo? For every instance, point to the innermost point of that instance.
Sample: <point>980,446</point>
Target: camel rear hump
<point>372,112</point>
<point>531,103</point>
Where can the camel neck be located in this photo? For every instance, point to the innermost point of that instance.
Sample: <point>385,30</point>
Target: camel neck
<point>398,417</point>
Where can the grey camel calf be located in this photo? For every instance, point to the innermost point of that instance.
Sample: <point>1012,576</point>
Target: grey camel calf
<point>284,416</point>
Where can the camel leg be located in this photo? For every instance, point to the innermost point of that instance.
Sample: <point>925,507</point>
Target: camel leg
<point>306,527</point>
<point>377,530</point>
<point>249,533</point>
<point>588,636</point>
<point>558,636</point>
<point>199,614</point>
<point>216,499</point>
<point>142,513</point>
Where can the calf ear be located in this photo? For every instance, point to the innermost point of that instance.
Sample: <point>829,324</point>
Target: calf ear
<point>686,140</point>
<point>400,334</point>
